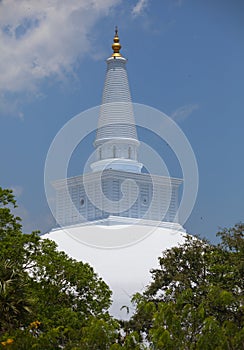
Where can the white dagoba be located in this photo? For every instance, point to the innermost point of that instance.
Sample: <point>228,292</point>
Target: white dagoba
<point>122,242</point>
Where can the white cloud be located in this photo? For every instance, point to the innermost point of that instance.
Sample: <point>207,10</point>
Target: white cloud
<point>178,3</point>
<point>30,221</point>
<point>183,112</point>
<point>140,7</point>
<point>17,190</point>
<point>43,39</point>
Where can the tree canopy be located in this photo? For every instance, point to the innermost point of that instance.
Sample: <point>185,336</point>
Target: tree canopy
<point>195,300</point>
<point>50,301</point>
<point>47,300</point>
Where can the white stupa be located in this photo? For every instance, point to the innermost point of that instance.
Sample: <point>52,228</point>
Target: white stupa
<point>117,218</point>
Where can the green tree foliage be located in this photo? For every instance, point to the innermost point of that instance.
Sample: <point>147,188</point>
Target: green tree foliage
<point>15,303</point>
<point>48,300</point>
<point>195,300</point>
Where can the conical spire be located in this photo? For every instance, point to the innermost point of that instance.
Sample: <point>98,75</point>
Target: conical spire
<point>116,139</point>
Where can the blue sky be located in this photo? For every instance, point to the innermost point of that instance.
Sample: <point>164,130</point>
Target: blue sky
<point>185,58</point>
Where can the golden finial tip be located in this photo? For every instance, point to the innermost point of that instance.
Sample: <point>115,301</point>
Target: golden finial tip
<point>116,45</point>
